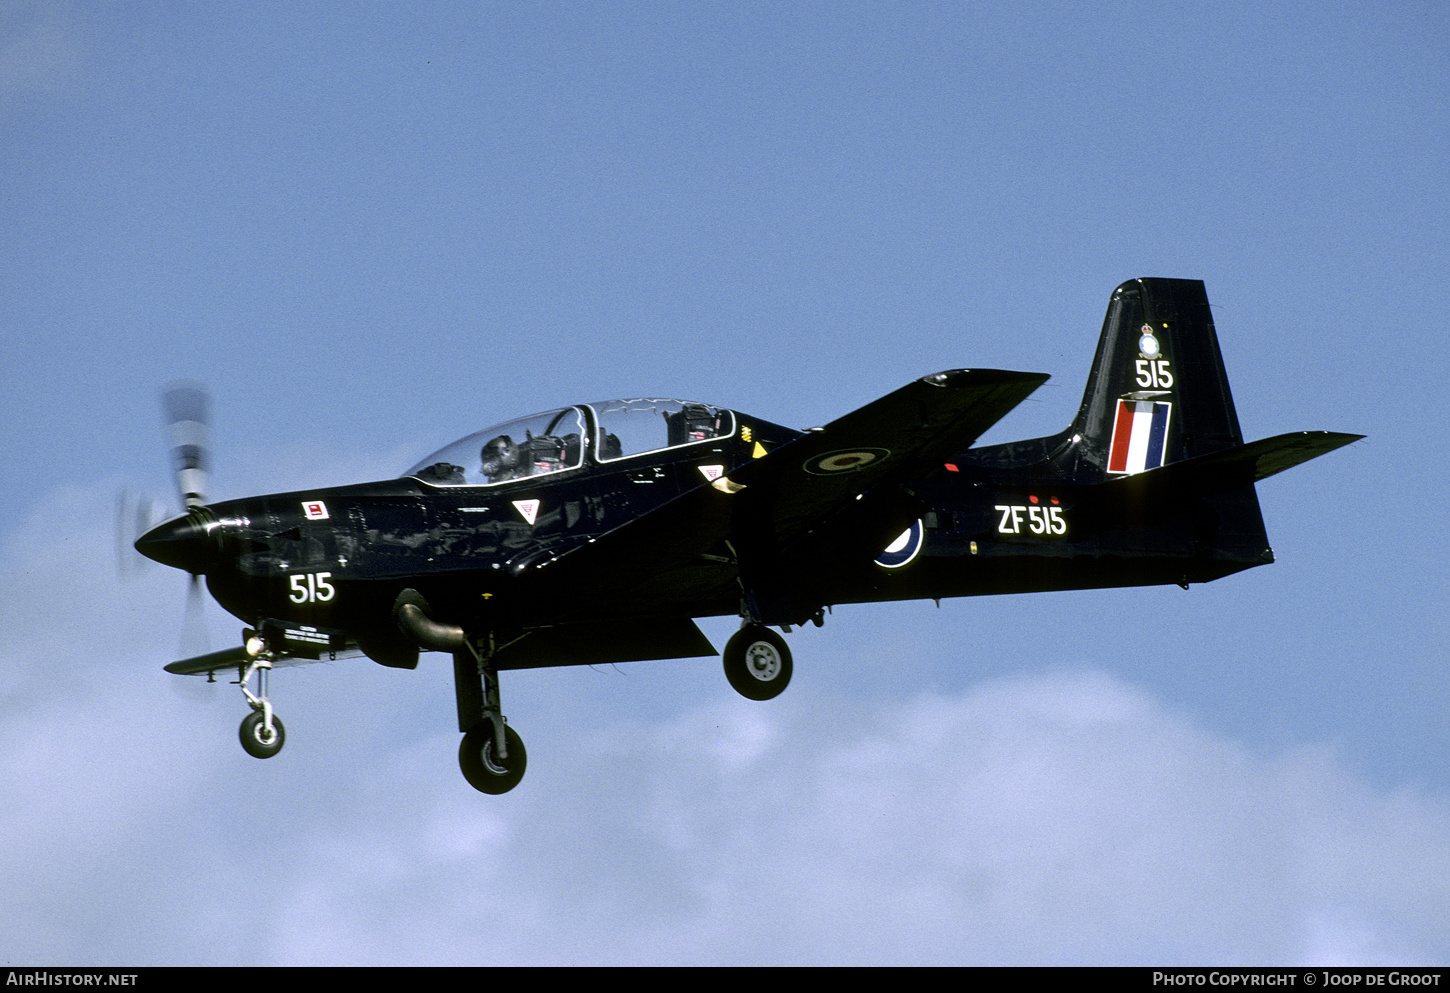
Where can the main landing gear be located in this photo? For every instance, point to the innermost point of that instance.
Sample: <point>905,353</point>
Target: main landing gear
<point>491,766</point>
<point>757,662</point>
<point>491,754</point>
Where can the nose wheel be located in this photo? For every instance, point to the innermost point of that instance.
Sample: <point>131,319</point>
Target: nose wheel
<point>260,740</point>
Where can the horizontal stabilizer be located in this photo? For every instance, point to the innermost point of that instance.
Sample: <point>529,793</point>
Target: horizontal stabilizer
<point>1273,455</point>
<point>1245,464</point>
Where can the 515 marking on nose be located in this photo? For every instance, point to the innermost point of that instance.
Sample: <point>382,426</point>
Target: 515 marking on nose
<point>312,587</point>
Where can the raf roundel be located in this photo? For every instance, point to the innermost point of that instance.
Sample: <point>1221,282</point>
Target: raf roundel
<point>845,461</point>
<point>903,549</point>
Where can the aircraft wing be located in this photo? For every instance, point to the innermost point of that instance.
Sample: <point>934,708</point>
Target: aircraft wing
<point>237,658</point>
<point>212,662</point>
<point>810,484</point>
<point>898,437</point>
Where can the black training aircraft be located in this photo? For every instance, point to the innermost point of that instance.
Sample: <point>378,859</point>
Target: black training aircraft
<point>598,532</point>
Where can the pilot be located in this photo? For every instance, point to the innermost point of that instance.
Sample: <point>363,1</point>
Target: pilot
<point>445,473</point>
<point>694,422</point>
<point>542,454</point>
<point>500,459</point>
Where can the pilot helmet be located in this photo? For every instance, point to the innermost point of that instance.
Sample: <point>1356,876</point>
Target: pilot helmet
<point>499,455</point>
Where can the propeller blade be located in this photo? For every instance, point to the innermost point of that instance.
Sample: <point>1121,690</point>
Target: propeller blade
<point>134,517</point>
<point>124,541</point>
<point>195,639</point>
<point>180,542</point>
<point>187,409</point>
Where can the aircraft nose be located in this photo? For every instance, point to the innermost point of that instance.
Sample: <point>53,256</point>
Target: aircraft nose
<point>182,543</point>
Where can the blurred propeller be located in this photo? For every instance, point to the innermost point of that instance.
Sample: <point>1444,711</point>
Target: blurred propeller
<point>195,639</point>
<point>187,406</point>
<point>134,517</point>
<point>141,522</point>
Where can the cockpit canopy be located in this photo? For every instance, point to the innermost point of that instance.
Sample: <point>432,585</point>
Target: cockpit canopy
<point>559,440</point>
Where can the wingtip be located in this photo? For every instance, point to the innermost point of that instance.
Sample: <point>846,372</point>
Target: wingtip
<point>200,665</point>
<point>957,378</point>
<point>1335,439</point>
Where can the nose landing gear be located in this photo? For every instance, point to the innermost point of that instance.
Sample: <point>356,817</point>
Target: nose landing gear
<point>261,732</point>
<point>260,740</point>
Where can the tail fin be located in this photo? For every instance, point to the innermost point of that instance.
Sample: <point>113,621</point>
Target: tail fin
<point>1158,416</point>
<point>1158,392</point>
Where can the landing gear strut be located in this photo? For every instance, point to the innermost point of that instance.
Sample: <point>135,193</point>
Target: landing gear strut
<point>757,662</point>
<point>491,754</point>
<point>261,732</point>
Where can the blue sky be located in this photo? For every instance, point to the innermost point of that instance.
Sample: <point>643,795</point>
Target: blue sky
<point>371,229</point>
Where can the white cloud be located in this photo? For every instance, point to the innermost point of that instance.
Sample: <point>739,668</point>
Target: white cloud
<point>1000,825</point>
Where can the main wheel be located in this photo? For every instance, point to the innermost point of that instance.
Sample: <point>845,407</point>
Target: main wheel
<point>256,739</point>
<point>757,662</point>
<point>482,768</point>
